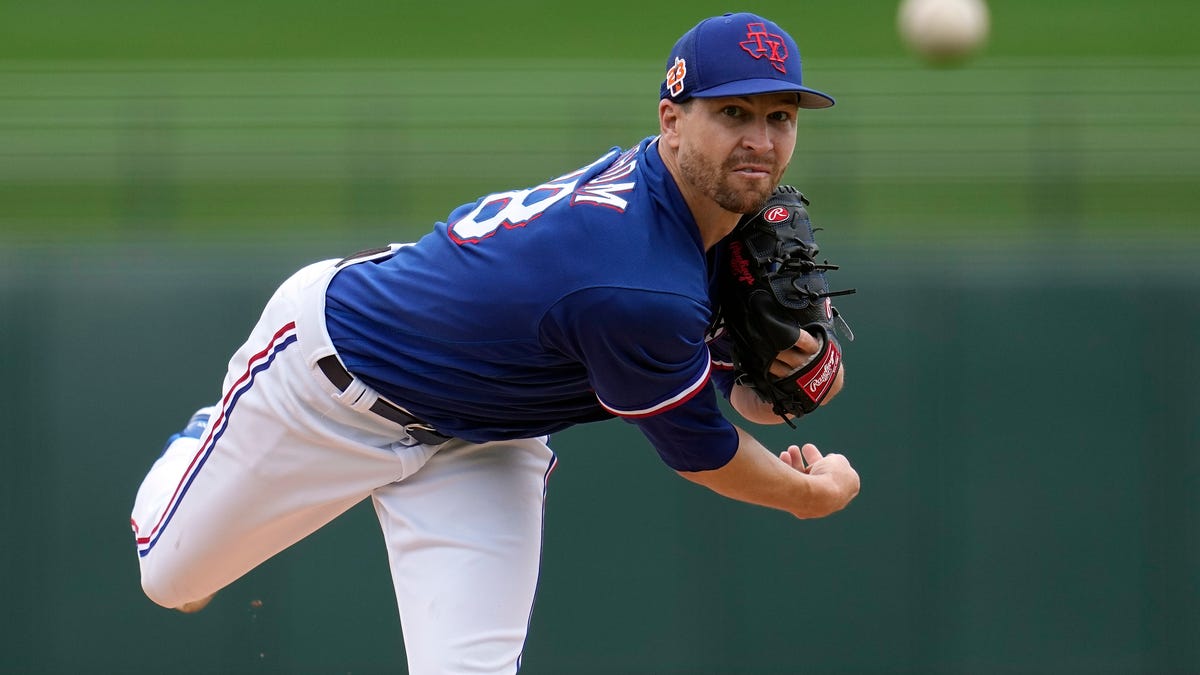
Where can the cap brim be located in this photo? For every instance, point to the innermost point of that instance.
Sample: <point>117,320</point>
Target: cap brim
<point>809,98</point>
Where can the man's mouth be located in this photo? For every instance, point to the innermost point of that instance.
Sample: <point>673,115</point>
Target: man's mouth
<point>753,169</point>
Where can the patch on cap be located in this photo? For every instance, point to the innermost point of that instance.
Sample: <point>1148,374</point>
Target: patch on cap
<point>675,76</point>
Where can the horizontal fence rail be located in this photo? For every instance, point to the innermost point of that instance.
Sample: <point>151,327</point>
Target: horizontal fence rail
<point>112,149</point>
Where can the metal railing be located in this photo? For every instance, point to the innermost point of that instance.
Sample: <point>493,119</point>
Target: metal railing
<point>132,149</point>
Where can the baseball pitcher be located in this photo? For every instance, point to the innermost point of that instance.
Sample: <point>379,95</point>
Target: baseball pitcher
<point>430,377</point>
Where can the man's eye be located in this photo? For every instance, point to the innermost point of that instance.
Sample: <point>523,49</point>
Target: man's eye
<point>781,116</point>
<point>731,111</point>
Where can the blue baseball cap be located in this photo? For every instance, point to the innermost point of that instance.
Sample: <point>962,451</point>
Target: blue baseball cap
<point>736,55</point>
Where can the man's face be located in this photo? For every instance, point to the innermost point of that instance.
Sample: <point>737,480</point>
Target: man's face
<point>735,150</point>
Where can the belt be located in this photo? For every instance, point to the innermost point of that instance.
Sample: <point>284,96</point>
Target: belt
<point>420,431</point>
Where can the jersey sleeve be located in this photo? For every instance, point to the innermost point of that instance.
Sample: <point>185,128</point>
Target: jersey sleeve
<point>648,362</point>
<point>721,356</point>
<point>644,351</point>
<point>694,436</point>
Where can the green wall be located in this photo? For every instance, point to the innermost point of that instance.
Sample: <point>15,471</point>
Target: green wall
<point>1021,398</point>
<point>1026,437</point>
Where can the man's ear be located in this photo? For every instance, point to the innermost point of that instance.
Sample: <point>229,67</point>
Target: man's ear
<point>669,114</point>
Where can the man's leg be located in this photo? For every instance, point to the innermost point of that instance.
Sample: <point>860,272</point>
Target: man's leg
<point>280,457</point>
<point>464,537</point>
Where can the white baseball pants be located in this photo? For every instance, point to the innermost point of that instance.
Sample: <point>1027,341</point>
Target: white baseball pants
<point>286,453</point>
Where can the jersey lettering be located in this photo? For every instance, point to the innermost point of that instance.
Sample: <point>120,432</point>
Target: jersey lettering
<point>605,189</point>
<point>603,195</point>
<point>516,208</point>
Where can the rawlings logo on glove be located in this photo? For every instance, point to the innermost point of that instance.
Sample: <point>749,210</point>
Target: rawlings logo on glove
<point>771,288</point>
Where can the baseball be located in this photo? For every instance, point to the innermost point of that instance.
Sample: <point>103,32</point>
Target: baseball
<point>943,31</point>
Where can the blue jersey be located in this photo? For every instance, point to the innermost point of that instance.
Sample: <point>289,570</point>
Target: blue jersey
<point>530,311</point>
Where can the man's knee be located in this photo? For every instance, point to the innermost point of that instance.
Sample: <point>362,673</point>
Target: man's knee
<point>168,587</point>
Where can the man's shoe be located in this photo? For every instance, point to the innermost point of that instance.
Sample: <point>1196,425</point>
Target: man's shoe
<point>194,429</point>
<point>195,426</point>
<point>195,606</point>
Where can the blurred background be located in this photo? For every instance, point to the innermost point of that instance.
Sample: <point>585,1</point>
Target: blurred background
<point>1022,396</point>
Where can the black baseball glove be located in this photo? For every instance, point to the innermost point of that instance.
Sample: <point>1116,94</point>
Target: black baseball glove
<point>770,288</point>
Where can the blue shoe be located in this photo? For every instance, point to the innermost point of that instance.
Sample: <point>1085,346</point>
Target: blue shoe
<point>195,426</point>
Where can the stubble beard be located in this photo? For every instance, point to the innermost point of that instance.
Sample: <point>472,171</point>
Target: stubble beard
<point>716,182</point>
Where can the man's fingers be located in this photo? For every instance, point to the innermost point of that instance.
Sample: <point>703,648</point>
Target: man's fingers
<point>808,343</point>
<point>797,356</point>
<point>792,457</point>
<point>788,457</point>
<point>810,453</point>
<point>795,458</point>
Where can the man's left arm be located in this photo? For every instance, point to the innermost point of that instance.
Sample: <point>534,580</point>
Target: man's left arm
<point>754,408</point>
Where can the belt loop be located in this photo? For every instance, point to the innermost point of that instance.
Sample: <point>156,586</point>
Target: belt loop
<point>358,396</point>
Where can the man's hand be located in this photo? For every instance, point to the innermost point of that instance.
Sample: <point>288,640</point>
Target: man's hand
<point>751,406</point>
<point>799,355</point>
<point>771,291</point>
<point>836,480</point>
<point>800,480</point>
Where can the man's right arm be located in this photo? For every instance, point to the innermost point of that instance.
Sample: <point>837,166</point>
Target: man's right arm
<point>800,481</point>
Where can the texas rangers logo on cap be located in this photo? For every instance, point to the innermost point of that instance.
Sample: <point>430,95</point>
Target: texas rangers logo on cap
<point>760,43</point>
